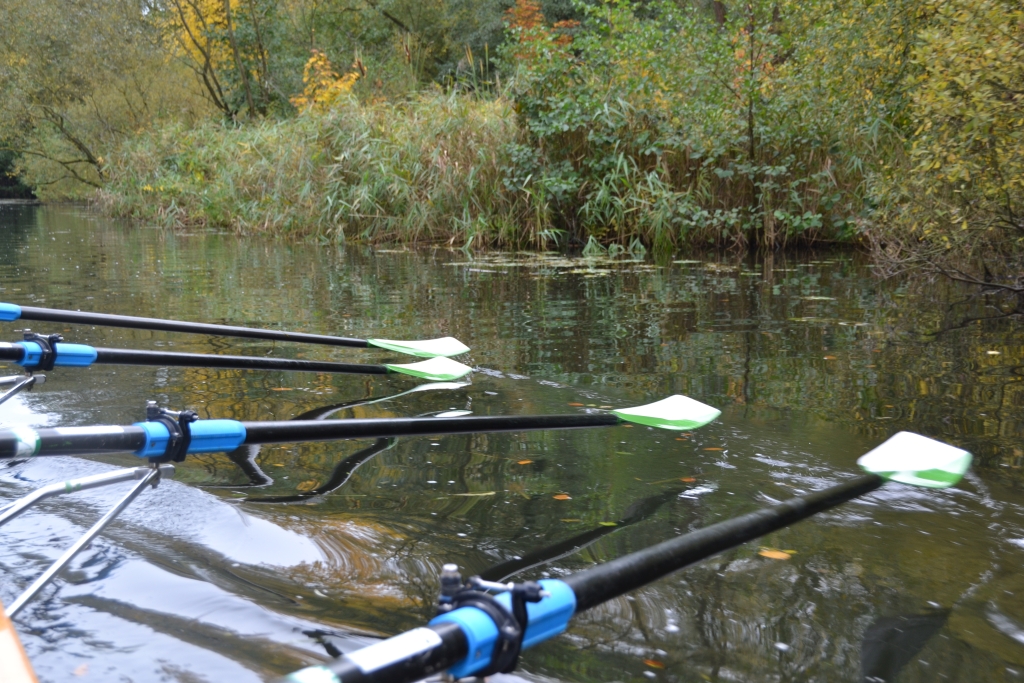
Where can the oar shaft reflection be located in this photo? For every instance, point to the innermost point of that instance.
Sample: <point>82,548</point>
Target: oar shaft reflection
<point>622,575</point>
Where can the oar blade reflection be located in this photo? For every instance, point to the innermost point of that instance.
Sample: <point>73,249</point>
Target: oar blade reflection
<point>436,369</point>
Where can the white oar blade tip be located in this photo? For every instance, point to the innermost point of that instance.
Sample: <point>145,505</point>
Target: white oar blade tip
<point>913,459</point>
<point>438,369</point>
<point>675,412</point>
<point>444,347</point>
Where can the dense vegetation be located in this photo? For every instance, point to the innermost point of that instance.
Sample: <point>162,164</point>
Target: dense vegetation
<point>645,124</point>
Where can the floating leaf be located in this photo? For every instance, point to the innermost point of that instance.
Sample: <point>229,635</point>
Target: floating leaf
<point>524,462</point>
<point>688,480</point>
<point>654,663</point>
<point>609,524</point>
<point>773,554</point>
<point>307,485</point>
<point>681,438</point>
<point>475,495</point>
<point>605,407</point>
<point>572,521</point>
<point>576,405</point>
<point>714,448</point>
<point>830,357</point>
<point>278,464</point>
<point>282,389</point>
<point>562,496</point>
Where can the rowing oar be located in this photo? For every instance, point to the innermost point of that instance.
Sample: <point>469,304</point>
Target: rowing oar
<point>427,348</point>
<point>33,356</point>
<point>479,634</point>
<point>173,435</point>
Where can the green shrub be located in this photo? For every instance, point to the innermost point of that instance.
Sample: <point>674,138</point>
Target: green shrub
<point>669,126</point>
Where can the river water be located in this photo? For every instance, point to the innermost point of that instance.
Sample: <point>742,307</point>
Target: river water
<point>249,565</point>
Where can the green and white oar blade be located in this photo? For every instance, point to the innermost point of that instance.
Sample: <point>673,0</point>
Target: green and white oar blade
<point>675,412</point>
<point>917,460</point>
<point>437,369</point>
<point>427,348</point>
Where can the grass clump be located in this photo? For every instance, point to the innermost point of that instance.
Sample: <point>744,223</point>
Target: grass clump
<point>427,169</point>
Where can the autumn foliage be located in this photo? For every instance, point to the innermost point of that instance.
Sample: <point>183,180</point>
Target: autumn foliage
<point>323,86</point>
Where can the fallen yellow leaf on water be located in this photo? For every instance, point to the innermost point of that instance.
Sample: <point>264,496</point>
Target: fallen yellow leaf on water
<point>609,524</point>
<point>605,407</point>
<point>524,462</point>
<point>278,464</point>
<point>562,496</point>
<point>680,438</point>
<point>571,521</point>
<point>714,448</point>
<point>688,480</point>
<point>628,426</point>
<point>830,357</point>
<point>773,554</point>
<point>306,485</point>
<point>654,663</point>
<point>474,495</point>
<point>576,405</point>
<point>282,389</point>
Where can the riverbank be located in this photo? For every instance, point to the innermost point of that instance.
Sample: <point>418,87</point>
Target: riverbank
<point>444,168</point>
<point>426,170</point>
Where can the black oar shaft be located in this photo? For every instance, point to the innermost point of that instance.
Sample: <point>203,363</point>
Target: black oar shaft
<point>133,322</point>
<point>200,360</point>
<point>76,441</point>
<point>612,579</point>
<point>287,431</point>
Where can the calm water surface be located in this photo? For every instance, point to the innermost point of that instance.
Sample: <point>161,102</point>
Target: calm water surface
<point>253,564</point>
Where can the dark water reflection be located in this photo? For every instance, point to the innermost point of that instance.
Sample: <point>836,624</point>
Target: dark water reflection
<point>812,360</point>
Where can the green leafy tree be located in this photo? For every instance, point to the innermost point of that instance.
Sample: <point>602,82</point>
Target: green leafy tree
<point>955,198</point>
<point>75,79</point>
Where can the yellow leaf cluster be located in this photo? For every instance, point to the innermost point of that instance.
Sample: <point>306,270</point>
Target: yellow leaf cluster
<point>323,86</point>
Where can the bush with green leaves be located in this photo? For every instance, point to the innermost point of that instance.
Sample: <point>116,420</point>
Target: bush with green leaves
<point>954,198</point>
<point>670,124</point>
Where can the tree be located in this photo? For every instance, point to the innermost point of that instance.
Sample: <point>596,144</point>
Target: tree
<point>955,199</point>
<point>76,77</point>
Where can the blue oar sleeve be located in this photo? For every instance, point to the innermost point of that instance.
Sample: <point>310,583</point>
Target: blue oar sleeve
<point>208,436</point>
<point>68,355</point>
<point>9,312</point>
<point>545,619</point>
